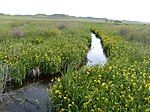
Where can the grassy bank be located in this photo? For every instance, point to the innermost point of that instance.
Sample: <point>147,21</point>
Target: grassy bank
<point>123,84</point>
<point>51,46</point>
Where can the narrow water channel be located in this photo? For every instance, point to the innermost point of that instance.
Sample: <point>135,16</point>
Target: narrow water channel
<point>30,96</point>
<point>96,56</point>
<point>33,95</point>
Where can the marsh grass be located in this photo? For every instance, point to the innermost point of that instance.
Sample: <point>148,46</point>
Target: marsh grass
<point>17,33</point>
<point>48,48</point>
<point>121,85</point>
<point>134,33</point>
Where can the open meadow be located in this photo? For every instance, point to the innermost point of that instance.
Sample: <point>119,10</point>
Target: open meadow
<point>51,46</point>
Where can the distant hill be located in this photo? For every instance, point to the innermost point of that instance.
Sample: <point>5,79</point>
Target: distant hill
<point>1,14</point>
<point>63,17</point>
<point>72,18</point>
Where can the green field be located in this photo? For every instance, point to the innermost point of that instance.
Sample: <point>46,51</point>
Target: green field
<point>123,84</point>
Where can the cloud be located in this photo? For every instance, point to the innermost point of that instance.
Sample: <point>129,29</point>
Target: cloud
<point>113,9</point>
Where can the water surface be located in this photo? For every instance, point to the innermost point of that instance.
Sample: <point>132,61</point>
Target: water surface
<point>96,56</point>
<point>30,96</point>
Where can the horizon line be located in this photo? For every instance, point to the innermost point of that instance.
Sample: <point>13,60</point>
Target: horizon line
<point>72,16</point>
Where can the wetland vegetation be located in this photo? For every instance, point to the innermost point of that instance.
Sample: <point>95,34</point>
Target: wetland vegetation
<point>51,46</point>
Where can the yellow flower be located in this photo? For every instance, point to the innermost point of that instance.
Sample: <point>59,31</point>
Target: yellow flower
<point>58,79</point>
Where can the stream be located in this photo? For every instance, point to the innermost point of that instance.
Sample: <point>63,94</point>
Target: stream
<point>96,55</point>
<point>30,96</point>
<point>33,94</point>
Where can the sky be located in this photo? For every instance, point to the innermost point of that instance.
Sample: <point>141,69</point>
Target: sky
<point>135,10</point>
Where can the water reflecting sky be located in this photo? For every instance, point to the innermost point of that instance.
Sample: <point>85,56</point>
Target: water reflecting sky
<point>96,55</point>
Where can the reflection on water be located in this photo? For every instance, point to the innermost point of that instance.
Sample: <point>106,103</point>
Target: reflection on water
<point>96,55</point>
<point>32,98</point>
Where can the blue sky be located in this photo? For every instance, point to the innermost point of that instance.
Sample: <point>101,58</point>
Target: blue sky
<point>137,10</point>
